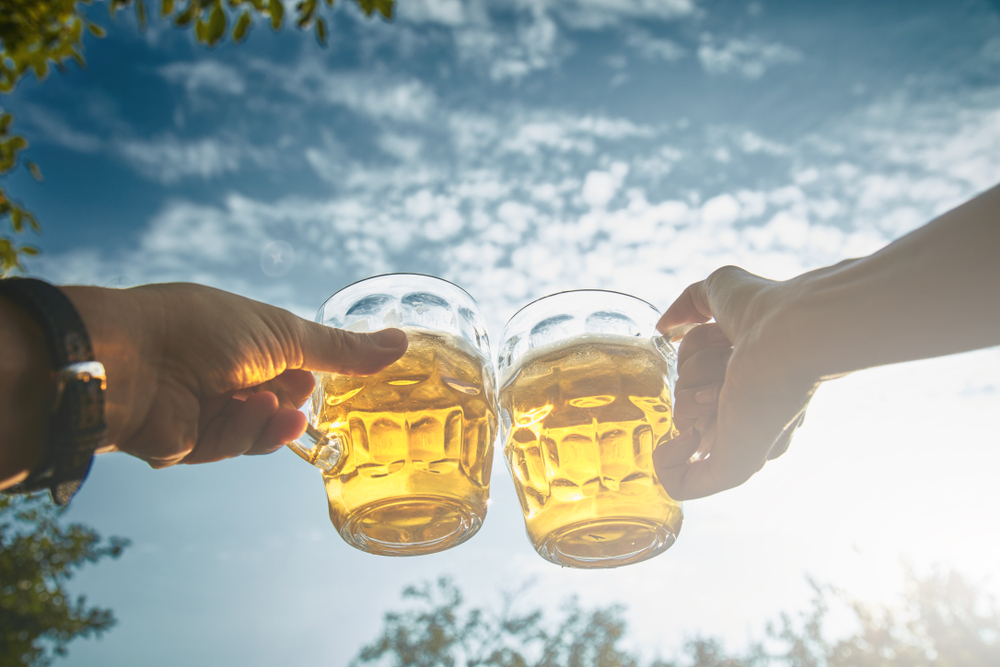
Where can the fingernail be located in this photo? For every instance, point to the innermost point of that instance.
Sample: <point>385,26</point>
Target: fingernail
<point>705,396</point>
<point>388,338</point>
<point>717,335</point>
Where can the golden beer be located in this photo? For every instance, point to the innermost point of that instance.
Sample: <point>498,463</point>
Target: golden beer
<point>415,475</point>
<point>585,415</point>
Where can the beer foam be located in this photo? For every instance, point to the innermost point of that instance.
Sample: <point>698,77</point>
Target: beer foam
<point>643,342</point>
<point>450,340</point>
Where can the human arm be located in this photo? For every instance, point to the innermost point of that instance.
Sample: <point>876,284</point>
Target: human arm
<point>194,374</point>
<point>932,292</point>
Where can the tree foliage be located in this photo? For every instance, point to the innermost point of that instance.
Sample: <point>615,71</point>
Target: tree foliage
<point>441,632</point>
<point>36,35</point>
<point>38,555</point>
<point>941,621</point>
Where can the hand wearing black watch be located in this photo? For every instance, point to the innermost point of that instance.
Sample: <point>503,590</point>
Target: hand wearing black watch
<point>75,427</point>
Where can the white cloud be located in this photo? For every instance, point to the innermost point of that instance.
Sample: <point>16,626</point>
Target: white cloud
<point>568,134</point>
<point>653,48</point>
<point>168,159</point>
<point>530,202</point>
<point>600,187</point>
<point>402,147</point>
<point>56,131</point>
<point>748,57</point>
<point>533,44</point>
<point>205,76</point>
<point>751,142</point>
<point>602,13</point>
<point>447,12</point>
<point>373,95</point>
<point>723,209</point>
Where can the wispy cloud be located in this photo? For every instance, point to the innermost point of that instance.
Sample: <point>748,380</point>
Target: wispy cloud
<point>373,95</point>
<point>168,159</point>
<point>53,129</point>
<point>749,57</point>
<point>511,229</point>
<point>653,48</point>
<point>205,77</point>
<point>603,13</point>
<point>533,43</point>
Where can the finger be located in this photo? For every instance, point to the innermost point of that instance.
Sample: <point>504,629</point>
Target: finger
<point>210,407</point>
<point>706,366</point>
<point>285,426</point>
<point>691,307</point>
<point>293,387</point>
<point>235,430</point>
<point>748,428</point>
<point>168,435</point>
<point>697,404</point>
<point>337,351</point>
<point>701,373</point>
<point>671,453</point>
<point>700,337</point>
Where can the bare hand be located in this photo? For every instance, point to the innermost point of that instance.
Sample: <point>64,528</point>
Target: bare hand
<point>738,401</point>
<point>196,374</point>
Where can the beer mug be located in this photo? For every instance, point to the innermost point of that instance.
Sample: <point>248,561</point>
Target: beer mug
<point>585,398</point>
<point>406,453</point>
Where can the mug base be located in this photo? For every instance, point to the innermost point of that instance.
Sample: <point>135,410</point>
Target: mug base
<point>605,543</point>
<point>411,526</point>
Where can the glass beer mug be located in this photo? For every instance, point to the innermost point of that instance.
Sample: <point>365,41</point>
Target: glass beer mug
<point>406,453</point>
<point>585,398</point>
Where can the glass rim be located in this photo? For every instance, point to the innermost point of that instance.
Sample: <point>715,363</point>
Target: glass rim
<point>403,273</point>
<point>575,291</point>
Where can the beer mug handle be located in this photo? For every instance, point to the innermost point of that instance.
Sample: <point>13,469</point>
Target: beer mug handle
<point>324,452</point>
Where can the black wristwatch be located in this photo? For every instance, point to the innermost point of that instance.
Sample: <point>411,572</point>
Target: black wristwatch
<point>75,427</point>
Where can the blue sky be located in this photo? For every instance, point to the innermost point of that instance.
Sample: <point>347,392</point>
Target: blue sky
<point>520,148</point>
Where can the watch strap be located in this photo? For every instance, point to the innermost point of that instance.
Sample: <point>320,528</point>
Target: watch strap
<point>75,427</point>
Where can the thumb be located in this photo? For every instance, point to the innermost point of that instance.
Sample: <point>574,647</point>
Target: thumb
<point>333,350</point>
<point>691,307</point>
<point>727,295</point>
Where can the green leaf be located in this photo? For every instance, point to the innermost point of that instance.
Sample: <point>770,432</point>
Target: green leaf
<point>166,8</point>
<point>277,12</point>
<point>321,31</point>
<point>29,250</point>
<point>242,26</point>
<point>201,31</point>
<point>384,7</point>
<point>41,69</point>
<point>307,9</point>
<point>185,17</point>
<point>140,14</point>
<point>96,30</point>
<point>15,220</point>
<point>216,25</point>
<point>35,171</point>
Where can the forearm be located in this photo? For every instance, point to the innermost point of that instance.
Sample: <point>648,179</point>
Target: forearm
<point>26,390</point>
<point>933,292</point>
